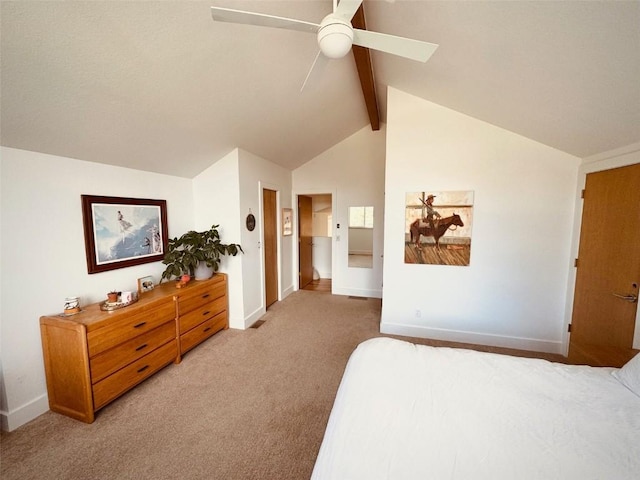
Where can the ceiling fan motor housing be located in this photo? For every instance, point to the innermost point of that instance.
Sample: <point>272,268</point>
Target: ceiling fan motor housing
<point>335,36</point>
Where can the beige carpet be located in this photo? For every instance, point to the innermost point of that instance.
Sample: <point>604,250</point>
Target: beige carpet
<point>243,405</point>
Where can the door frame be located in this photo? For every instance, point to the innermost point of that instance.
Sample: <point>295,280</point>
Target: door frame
<point>621,157</point>
<point>296,233</point>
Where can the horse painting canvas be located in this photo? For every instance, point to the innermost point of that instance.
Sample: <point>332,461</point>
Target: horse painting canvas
<point>438,227</point>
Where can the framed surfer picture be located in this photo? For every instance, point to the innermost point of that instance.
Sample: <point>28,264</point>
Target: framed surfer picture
<point>121,232</point>
<point>438,227</point>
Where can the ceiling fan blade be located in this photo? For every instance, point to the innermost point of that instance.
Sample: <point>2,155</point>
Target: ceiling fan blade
<point>317,67</point>
<point>347,9</point>
<point>261,19</point>
<point>404,47</point>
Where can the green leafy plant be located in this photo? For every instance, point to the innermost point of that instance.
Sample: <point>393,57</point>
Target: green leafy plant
<point>184,253</point>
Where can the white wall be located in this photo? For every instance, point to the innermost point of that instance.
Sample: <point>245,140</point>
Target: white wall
<point>43,256</point>
<point>257,174</point>
<point>224,194</point>
<point>353,171</point>
<point>513,293</point>
<point>322,256</point>
<point>216,198</point>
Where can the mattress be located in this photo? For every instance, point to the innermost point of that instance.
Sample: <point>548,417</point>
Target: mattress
<point>406,411</point>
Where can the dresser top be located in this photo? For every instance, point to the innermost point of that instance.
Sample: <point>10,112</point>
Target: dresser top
<point>91,315</point>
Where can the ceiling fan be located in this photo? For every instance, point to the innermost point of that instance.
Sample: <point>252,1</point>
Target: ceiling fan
<point>336,35</point>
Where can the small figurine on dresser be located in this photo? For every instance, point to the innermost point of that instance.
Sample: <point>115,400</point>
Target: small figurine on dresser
<point>182,282</point>
<point>71,305</point>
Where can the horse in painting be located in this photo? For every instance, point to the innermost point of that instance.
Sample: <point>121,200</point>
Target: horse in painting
<point>419,227</point>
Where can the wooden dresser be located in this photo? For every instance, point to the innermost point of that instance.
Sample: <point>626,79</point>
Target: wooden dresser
<point>93,357</point>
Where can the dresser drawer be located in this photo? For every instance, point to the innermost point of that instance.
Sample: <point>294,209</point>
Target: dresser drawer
<point>117,357</point>
<point>197,298</point>
<point>202,313</point>
<point>121,381</point>
<point>129,326</point>
<point>196,335</point>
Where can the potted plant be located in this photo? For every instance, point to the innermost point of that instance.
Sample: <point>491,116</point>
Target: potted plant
<point>186,253</point>
<point>112,296</point>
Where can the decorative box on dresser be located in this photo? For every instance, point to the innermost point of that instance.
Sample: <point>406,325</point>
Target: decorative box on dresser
<point>95,356</point>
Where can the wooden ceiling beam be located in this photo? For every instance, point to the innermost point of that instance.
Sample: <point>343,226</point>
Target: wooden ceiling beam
<point>362,57</point>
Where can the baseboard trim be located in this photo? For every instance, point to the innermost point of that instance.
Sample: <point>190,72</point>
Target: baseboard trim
<point>491,340</point>
<point>254,317</point>
<point>16,418</point>
<point>287,291</point>
<point>356,292</point>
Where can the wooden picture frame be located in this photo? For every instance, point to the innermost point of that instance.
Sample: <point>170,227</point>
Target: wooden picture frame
<point>121,232</point>
<point>287,222</point>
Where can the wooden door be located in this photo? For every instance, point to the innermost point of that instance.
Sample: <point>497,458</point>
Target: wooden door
<point>608,269</point>
<point>305,239</point>
<point>270,222</point>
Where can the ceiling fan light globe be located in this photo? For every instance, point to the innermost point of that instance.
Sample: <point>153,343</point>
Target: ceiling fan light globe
<point>335,37</point>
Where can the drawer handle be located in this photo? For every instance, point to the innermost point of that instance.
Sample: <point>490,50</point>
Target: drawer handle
<point>206,295</point>
<point>140,370</point>
<point>206,313</point>
<point>141,324</point>
<point>207,329</point>
<point>141,347</point>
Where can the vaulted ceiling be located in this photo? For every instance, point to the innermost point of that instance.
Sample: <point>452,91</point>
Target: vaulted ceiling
<point>159,86</point>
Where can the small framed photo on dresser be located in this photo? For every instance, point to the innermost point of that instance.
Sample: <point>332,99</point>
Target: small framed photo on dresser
<point>145,284</point>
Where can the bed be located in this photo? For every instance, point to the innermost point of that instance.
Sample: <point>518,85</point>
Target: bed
<point>406,411</point>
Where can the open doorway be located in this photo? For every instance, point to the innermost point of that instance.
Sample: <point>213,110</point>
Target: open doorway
<point>315,246</point>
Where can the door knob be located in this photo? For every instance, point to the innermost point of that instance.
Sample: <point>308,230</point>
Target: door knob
<point>631,298</point>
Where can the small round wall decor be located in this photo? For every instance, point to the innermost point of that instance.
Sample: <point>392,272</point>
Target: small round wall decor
<point>251,222</point>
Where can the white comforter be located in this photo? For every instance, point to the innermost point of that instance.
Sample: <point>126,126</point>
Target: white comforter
<point>407,411</point>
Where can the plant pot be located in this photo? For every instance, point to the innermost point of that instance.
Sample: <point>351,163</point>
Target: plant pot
<point>112,297</point>
<point>203,272</point>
